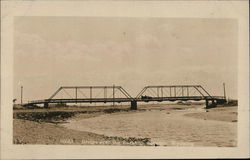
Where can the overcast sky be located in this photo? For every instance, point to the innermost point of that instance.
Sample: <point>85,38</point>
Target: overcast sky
<point>132,52</point>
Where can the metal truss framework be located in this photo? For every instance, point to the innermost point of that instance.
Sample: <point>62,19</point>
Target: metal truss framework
<point>172,91</point>
<point>158,93</point>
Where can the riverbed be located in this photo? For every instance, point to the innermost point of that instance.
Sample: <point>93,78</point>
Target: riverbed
<point>165,125</point>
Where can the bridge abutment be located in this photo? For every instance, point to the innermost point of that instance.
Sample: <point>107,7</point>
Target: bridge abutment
<point>133,105</point>
<point>212,105</point>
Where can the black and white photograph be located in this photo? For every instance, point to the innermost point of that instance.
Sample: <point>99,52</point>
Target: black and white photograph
<point>124,81</point>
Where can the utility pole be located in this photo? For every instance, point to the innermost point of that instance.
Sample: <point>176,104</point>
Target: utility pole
<point>21,95</point>
<point>113,95</point>
<point>224,87</point>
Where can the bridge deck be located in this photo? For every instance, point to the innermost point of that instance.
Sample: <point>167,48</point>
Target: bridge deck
<point>118,100</point>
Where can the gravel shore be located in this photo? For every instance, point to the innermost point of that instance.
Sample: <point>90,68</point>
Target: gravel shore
<point>178,125</point>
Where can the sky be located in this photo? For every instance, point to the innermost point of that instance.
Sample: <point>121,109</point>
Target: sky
<point>50,52</point>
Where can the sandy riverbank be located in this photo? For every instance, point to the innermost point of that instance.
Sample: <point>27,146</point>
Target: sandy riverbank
<point>167,125</point>
<point>41,126</point>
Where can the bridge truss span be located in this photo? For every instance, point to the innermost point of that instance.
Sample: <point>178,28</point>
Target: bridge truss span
<point>91,89</point>
<point>117,94</point>
<point>174,91</point>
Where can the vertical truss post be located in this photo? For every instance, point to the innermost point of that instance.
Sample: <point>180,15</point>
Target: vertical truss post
<point>76,94</point>
<point>161,92</point>
<point>158,92</point>
<point>90,93</point>
<point>187,91</point>
<point>170,92</point>
<point>105,93</point>
<point>182,91</point>
<point>175,91</point>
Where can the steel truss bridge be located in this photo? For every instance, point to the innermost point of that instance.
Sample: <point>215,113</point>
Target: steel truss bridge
<point>117,94</point>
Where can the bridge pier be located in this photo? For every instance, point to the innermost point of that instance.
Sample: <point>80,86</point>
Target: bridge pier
<point>46,105</point>
<point>212,105</point>
<point>133,105</point>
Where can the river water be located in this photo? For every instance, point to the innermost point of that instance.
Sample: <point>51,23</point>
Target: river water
<point>163,126</point>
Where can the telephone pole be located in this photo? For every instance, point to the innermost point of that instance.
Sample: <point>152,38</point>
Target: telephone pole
<point>224,87</point>
<point>113,95</point>
<point>21,95</point>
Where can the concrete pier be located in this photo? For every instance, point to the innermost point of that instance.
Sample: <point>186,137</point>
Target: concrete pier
<point>133,105</point>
